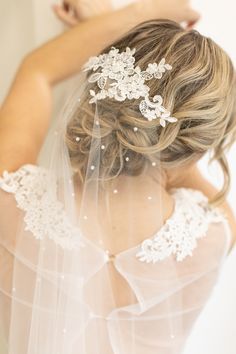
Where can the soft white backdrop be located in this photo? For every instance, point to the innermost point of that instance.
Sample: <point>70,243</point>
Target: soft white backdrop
<point>27,23</point>
<point>215,332</point>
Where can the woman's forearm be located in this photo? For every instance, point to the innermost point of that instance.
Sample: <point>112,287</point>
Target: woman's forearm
<point>24,119</point>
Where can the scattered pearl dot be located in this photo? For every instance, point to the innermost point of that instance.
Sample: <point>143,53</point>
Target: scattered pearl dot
<point>127,159</point>
<point>92,167</point>
<point>97,122</point>
<point>172,336</point>
<point>13,290</point>
<point>115,191</point>
<point>73,195</point>
<point>62,277</point>
<point>135,129</point>
<point>103,147</point>
<point>85,217</point>
<point>154,164</point>
<point>149,198</point>
<point>77,138</point>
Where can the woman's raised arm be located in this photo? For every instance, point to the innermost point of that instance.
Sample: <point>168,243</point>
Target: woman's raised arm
<point>25,114</point>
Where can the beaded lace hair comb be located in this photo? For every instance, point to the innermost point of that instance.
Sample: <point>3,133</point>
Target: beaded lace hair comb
<point>118,78</point>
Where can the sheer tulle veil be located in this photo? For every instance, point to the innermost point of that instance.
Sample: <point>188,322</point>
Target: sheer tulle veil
<point>88,275</point>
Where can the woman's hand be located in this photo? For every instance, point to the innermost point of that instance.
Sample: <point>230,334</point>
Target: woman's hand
<point>72,11</point>
<point>68,12</point>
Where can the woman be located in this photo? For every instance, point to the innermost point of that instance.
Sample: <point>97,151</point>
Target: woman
<point>105,249</point>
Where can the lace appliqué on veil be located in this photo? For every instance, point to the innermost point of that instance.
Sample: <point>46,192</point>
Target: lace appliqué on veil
<point>46,217</point>
<point>44,214</point>
<point>179,235</point>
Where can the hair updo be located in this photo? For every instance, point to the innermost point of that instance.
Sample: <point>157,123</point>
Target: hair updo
<point>199,91</point>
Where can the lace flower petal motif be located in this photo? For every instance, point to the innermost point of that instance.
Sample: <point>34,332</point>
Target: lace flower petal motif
<point>44,216</point>
<point>118,78</point>
<point>180,234</point>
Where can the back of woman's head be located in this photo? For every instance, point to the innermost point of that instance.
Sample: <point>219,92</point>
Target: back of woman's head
<point>199,91</point>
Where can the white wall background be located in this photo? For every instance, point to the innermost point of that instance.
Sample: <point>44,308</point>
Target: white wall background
<point>26,23</point>
<point>215,332</point>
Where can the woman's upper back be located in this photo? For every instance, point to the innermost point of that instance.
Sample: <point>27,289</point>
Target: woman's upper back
<point>157,287</point>
<point>164,225</point>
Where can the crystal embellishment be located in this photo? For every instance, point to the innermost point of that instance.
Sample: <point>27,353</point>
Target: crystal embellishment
<point>118,78</point>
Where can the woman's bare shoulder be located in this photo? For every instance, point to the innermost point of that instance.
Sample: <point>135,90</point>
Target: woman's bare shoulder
<point>194,179</point>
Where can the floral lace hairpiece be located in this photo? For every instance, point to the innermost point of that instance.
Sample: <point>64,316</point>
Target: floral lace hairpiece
<point>120,79</point>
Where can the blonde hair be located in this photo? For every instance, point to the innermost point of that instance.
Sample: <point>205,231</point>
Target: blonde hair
<point>199,91</point>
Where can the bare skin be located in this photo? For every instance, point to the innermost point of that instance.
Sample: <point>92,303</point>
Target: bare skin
<point>193,178</point>
<point>26,112</point>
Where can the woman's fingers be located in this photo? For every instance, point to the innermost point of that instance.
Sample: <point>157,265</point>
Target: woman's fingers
<point>192,17</point>
<point>66,6</point>
<point>72,8</point>
<point>67,17</point>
